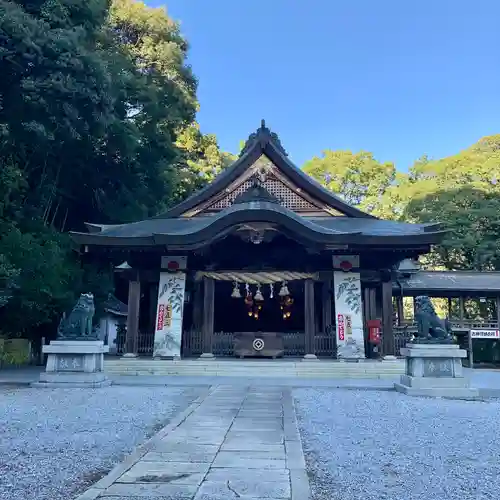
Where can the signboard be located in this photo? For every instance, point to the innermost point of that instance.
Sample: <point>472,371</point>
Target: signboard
<point>169,314</point>
<point>349,311</point>
<point>480,333</point>
<point>485,334</point>
<point>341,327</point>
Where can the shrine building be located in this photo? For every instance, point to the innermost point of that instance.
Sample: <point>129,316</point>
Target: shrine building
<point>263,261</point>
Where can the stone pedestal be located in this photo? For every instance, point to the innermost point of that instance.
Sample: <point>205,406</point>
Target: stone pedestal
<point>74,363</point>
<point>435,370</point>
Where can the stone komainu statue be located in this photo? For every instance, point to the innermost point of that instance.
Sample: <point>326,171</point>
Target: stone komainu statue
<point>429,325</point>
<point>78,325</point>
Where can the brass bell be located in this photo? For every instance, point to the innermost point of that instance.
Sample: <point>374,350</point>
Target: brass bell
<point>236,291</point>
<point>284,290</point>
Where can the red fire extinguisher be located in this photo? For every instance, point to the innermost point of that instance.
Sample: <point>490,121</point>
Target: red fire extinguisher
<point>374,327</point>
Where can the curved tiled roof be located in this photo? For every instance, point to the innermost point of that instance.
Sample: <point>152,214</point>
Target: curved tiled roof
<point>192,231</point>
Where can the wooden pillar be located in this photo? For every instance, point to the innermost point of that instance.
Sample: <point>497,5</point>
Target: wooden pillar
<point>387,330</point>
<point>498,311</point>
<point>461,307</point>
<point>153,305</point>
<point>401,310</point>
<point>326,300</point>
<point>208,317</point>
<point>450,308</point>
<point>198,306</point>
<point>309,312</point>
<point>134,299</point>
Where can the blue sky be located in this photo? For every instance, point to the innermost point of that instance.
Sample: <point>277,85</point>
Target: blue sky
<point>398,78</point>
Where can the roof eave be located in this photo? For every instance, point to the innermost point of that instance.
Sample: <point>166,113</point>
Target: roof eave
<point>99,239</point>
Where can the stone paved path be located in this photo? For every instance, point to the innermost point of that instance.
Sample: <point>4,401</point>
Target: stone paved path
<point>236,443</point>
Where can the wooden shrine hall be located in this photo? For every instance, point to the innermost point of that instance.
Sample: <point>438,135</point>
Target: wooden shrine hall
<point>263,261</point>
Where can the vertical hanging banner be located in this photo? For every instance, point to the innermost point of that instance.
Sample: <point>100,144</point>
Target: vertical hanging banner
<point>348,307</point>
<point>170,309</point>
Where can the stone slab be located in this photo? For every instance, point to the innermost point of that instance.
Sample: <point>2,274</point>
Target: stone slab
<point>294,455</point>
<point>76,385</point>
<point>233,474</point>
<point>440,392</point>
<point>232,461</point>
<point>300,485</point>
<point>163,446</point>
<point>240,488</point>
<point>179,456</point>
<point>438,382</point>
<point>433,351</point>
<point>257,426</point>
<point>249,445</point>
<point>151,491</point>
<point>253,455</point>
<point>73,377</point>
<point>75,347</point>
<point>268,437</point>
<point>165,472</point>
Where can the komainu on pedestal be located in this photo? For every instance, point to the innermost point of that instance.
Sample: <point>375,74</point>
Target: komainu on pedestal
<point>433,361</point>
<point>76,358</point>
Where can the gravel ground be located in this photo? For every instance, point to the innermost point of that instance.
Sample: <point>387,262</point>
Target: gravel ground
<point>54,443</point>
<point>363,445</point>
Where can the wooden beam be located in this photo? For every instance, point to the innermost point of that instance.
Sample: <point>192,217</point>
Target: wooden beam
<point>134,300</point>
<point>387,330</point>
<point>309,313</point>
<point>208,316</point>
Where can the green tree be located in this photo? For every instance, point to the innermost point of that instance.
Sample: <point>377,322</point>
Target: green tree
<point>199,162</point>
<point>356,177</point>
<point>462,192</point>
<point>87,133</point>
<point>472,218</point>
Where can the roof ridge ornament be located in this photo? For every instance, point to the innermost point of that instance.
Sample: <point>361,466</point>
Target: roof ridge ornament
<point>263,135</point>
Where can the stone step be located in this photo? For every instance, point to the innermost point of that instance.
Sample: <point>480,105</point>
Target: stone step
<point>240,368</point>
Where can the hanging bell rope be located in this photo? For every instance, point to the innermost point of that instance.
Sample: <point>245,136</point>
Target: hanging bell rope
<point>263,278</point>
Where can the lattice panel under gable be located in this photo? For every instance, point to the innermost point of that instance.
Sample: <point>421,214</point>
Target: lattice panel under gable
<point>289,198</point>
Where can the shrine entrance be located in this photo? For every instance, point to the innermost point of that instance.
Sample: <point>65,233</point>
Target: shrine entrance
<point>259,317</point>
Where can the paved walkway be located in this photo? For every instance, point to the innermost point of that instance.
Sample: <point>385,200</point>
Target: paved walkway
<point>235,443</point>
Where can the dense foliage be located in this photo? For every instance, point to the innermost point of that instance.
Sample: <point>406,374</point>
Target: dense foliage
<point>460,191</point>
<point>96,102</point>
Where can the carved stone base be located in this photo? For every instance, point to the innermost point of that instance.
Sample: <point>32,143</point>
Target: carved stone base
<point>352,349</point>
<point>73,363</point>
<point>435,370</point>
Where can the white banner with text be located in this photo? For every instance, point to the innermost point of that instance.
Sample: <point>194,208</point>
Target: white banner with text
<point>169,314</point>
